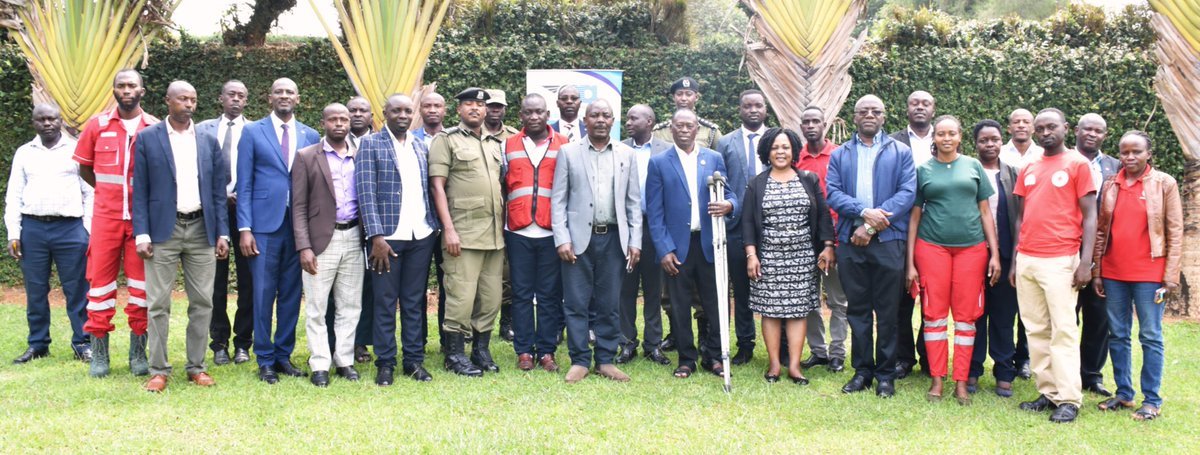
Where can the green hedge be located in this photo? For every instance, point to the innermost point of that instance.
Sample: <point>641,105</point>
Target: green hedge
<point>1005,70</point>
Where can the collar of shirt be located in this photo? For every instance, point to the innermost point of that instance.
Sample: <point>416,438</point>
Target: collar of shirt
<point>875,143</point>
<point>400,145</point>
<point>189,131</point>
<point>826,150</point>
<point>747,132</point>
<point>913,134</point>
<point>607,146</point>
<point>63,141</point>
<point>237,121</point>
<point>1120,179</point>
<point>276,122</point>
<point>327,148</point>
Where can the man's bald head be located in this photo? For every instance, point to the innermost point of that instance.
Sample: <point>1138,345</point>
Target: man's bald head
<point>44,109</point>
<point>1093,118</point>
<point>643,110</point>
<point>683,115</point>
<point>869,115</point>
<point>598,105</point>
<point>598,118</point>
<point>335,108</point>
<point>398,112</point>
<point>177,87</point>
<point>1090,133</point>
<point>181,104</point>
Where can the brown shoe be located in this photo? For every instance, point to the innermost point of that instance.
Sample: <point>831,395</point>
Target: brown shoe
<point>525,362</point>
<point>547,362</point>
<point>576,374</point>
<point>157,383</point>
<point>202,379</point>
<point>610,371</point>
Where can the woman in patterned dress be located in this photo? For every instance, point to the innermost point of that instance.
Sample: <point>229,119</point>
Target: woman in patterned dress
<point>789,236</point>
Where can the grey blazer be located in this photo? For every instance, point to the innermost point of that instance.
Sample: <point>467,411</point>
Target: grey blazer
<point>571,200</point>
<point>656,145</point>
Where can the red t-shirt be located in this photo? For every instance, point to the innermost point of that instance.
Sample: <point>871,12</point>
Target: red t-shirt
<point>818,164</point>
<point>1128,255</point>
<point>1052,224</point>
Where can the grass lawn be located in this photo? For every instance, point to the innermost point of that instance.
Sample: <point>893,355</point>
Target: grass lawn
<point>51,405</point>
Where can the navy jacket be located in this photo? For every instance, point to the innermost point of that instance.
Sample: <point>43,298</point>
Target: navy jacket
<point>894,184</point>
<point>155,189</point>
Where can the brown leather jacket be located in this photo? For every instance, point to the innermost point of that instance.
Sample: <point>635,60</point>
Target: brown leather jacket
<point>1164,211</point>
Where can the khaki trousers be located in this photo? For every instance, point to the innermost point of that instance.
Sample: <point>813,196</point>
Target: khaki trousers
<point>473,290</point>
<point>1046,298</point>
<point>189,244</point>
<point>340,269</point>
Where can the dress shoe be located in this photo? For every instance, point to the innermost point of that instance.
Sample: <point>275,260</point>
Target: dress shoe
<point>1065,413</point>
<point>525,362</point>
<point>1039,405</point>
<point>361,354</point>
<point>157,383</point>
<point>202,379</point>
<point>383,377</point>
<point>972,385</point>
<point>417,373</point>
<point>668,343</point>
<point>139,365</point>
<point>31,354</point>
<point>798,380</point>
<point>267,375</point>
<point>320,378</point>
<point>656,355</point>
<point>481,354</point>
<point>456,361</point>
<point>99,363</point>
<point>1098,389</point>
<point>285,367</point>
<point>83,352</point>
<point>347,373</point>
<point>221,357</point>
<point>240,356</point>
<point>1024,372</point>
<point>576,373</point>
<point>813,361</point>
<point>743,356</point>
<point>885,389</point>
<point>506,330</point>
<point>837,365</point>
<point>771,378</point>
<point>611,371</point>
<point>547,362</point>
<point>625,353</point>
<point>903,368</point>
<point>856,384</point>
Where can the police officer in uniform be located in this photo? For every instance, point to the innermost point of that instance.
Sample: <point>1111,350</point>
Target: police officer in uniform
<point>464,173</point>
<point>684,93</point>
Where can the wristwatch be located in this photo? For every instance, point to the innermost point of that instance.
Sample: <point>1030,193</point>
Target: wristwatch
<point>870,230</point>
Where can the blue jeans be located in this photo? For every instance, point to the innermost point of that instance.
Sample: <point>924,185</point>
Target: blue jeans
<point>1124,297</point>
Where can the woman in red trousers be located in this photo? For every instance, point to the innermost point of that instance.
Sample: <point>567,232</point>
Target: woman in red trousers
<point>952,247</point>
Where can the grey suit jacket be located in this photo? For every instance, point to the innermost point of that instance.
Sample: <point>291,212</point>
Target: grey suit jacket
<point>571,200</point>
<point>656,145</point>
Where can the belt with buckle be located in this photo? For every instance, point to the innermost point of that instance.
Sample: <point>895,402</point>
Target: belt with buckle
<point>347,225</point>
<point>49,218</point>
<point>189,216</point>
<point>603,229</point>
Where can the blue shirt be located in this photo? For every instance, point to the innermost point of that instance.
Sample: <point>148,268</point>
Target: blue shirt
<point>863,190</point>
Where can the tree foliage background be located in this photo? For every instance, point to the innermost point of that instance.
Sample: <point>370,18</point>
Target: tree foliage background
<point>1078,59</point>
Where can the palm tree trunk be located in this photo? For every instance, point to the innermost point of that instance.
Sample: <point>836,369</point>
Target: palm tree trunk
<point>1180,304</point>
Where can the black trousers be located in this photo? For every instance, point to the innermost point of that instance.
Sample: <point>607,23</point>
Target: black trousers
<point>910,349</point>
<point>406,282</point>
<point>1093,342</point>
<point>649,274</point>
<point>591,289</point>
<point>999,312</point>
<point>873,278</point>
<point>696,275</point>
<point>243,318</point>
<point>743,318</point>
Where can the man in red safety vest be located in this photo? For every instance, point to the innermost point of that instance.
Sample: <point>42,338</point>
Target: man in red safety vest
<point>105,156</point>
<point>533,261</point>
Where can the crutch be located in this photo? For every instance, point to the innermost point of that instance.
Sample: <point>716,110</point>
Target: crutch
<point>716,193</point>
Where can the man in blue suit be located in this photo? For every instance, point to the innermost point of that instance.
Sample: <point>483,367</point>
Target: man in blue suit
<point>739,149</point>
<point>676,190</point>
<point>265,154</point>
<point>179,180</point>
<point>391,177</point>
<point>872,184</point>
<point>569,123</point>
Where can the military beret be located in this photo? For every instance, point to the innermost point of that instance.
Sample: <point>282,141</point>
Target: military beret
<point>685,83</point>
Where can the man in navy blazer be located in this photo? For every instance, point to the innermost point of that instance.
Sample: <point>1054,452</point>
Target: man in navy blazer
<point>872,230</point>
<point>264,182</point>
<point>391,177</point>
<point>739,149</point>
<point>676,202</point>
<point>179,180</point>
<point>568,108</point>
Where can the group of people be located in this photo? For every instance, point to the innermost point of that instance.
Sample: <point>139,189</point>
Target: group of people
<point>576,223</point>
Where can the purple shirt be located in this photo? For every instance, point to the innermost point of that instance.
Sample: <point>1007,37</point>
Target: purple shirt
<point>342,171</point>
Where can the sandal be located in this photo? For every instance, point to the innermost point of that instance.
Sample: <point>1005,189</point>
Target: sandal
<point>1146,412</point>
<point>683,372</point>
<point>1114,404</point>
<point>718,369</point>
<point>799,380</point>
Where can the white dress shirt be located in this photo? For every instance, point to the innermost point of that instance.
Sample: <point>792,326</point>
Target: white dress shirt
<point>45,182</point>
<point>187,172</point>
<point>569,129</point>
<point>412,225</point>
<point>754,165</point>
<point>642,154</point>
<point>1013,157</point>
<point>536,152</point>
<point>922,147</point>
<point>691,167</point>
<point>222,126</point>
<point>1097,171</point>
<point>290,153</point>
